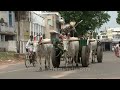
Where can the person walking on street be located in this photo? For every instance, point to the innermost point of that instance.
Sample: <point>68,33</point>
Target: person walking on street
<point>117,49</point>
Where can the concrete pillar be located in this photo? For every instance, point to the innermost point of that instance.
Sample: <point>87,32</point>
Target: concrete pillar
<point>38,31</point>
<point>33,29</point>
<point>0,37</point>
<point>103,46</point>
<point>110,46</point>
<point>23,47</point>
<point>3,37</point>
<point>30,29</point>
<point>20,47</point>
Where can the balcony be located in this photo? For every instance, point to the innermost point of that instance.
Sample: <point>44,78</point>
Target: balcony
<point>7,30</point>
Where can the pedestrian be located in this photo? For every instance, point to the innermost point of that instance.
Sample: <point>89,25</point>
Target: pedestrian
<point>113,47</point>
<point>117,50</point>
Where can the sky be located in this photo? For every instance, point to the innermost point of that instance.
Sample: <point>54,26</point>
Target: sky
<point>112,23</point>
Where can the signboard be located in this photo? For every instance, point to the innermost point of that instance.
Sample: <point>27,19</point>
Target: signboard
<point>26,35</point>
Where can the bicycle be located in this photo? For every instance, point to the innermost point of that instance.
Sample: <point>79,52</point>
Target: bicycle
<point>30,58</point>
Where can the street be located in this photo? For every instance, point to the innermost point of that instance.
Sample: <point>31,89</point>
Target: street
<point>109,69</point>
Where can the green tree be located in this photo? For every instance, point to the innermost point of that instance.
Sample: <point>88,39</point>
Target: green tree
<point>118,17</point>
<point>91,19</point>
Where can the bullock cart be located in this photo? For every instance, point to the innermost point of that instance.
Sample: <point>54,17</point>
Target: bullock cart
<point>58,51</point>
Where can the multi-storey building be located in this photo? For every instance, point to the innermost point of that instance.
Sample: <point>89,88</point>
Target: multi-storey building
<point>27,23</point>
<point>52,22</point>
<point>7,31</point>
<point>7,25</point>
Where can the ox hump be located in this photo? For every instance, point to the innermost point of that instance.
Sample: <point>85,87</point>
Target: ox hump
<point>46,40</point>
<point>73,39</point>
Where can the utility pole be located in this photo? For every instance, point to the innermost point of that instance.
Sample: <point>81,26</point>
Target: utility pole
<point>18,31</point>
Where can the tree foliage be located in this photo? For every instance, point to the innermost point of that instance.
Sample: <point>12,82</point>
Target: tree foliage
<point>118,17</point>
<point>91,19</point>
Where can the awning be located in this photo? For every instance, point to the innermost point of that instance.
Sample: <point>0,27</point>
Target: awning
<point>115,41</point>
<point>7,33</point>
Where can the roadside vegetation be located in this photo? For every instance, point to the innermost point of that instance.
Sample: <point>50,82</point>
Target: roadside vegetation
<point>10,56</point>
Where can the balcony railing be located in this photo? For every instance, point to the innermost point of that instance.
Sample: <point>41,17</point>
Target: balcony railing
<point>7,30</point>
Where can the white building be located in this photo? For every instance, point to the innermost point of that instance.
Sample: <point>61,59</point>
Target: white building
<point>33,23</point>
<point>114,34</point>
<point>7,25</point>
<point>37,23</point>
<point>105,40</point>
<point>109,37</point>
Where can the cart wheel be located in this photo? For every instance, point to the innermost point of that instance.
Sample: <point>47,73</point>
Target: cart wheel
<point>55,58</point>
<point>85,56</point>
<point>99,54</point>
<point>35,63</point>
<point>27,63</point>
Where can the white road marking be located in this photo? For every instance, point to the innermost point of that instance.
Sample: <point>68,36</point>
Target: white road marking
<point>63,74</point>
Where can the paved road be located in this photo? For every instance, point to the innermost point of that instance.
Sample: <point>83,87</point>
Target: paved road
<point>109,69</point>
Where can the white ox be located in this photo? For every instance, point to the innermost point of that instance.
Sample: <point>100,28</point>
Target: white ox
<point>44,47</point>
<point>71,48</point>
<point>93,48</point>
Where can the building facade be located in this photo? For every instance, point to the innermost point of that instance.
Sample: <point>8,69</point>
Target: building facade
<point>7,26</point>
<point>7,31</point>
<point>115,34</point>
<point>37,23</point>
<point>51,22</point>
<point>106,40</point>
<point>109,37</point>
<point>31,24</point>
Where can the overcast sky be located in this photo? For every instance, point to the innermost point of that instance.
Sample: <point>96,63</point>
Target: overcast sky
<point>112,23</point>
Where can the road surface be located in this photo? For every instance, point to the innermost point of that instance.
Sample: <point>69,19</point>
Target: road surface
<point>109,69</point>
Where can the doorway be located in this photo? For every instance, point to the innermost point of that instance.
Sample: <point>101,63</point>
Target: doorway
<point>107,46</point>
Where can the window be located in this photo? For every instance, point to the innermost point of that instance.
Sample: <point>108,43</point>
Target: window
<point>104,37</point>
<point>10,18</point>
<point>36,28</point>
<point>2,37</point>
<point>50,22</point>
